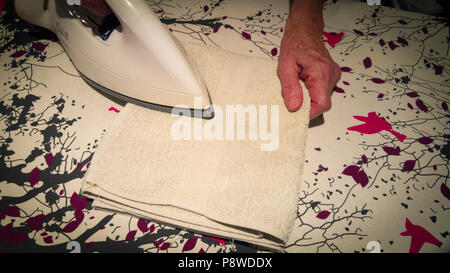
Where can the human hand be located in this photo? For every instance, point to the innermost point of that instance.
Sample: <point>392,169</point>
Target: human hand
<point>98,7</point>
<point>303,55</point>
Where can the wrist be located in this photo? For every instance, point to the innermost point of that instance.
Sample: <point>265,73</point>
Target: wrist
<point>307,14</point>
<point>301,37</point>
<point>298,39</point>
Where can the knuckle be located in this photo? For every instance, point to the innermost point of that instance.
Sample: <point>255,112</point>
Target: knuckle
<point>288,90</point>
<point>326,106</point>
<point>282,67</point>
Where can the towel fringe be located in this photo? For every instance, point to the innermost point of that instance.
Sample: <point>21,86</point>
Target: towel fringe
<point>233,246</point>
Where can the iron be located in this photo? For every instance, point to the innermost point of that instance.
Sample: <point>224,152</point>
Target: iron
<point>129,54</point>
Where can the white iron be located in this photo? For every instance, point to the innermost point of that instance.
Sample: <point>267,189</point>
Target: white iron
<point>138,61</point>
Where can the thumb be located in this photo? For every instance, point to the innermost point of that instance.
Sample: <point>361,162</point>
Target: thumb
<point>288,72</point>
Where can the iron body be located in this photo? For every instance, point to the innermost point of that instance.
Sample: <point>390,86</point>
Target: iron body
<point>134,57</point>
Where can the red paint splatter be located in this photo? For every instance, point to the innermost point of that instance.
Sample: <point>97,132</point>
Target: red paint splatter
<point>6,233</point>
<point>142,225</point>
<point>205,8</point>
<point>438,70</point>
<point>419,236</point>
<point>274,51</point>
<point>359,32</point>
<point>165,246</point>
<point>35,223</point>
<point>444,106</point>
<point>445,191</point>
<point>190,244</point>
<point>215,29</point>
<point>157,243</point>
<point>263,32</point>
<point>377,80</point>
<point>79,215</point>
<point>79,166</point>
<point>380,96</point>
<point>70,227</point>
<point>152,228</point>
<point>367,62</point>
<point>35,176</point>
<point>412,94</point>
<point>18,54</point>
<point>351,170</point>
<point>346,69</point>
<point>246,35</point>
<point>48,239</point>
<point>338,90</point>
<point>38,46</point>
<point>392,45</point>
<point>425,30</point>
<point>220,241</point>
<point>11,211</point>
<point>89,245</point>
<point>323,214</point>
<point>49,159</point>
<point>425,140</point>
<point>382,42</point>
<point>130,236</point>
<point>374,124</point>
<point>361,178</point>
<point>402,22</point>
<point>113,109</point>
<point>402,41</point>
<point>392,151</point>
<point>77,202</point>
<point>332,38</point>
<point>364,159</point>
<point>357,173</point>
<point>408,165</point>
<point>421,105</point>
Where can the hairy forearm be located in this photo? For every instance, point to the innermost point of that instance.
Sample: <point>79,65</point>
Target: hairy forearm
<point>304,27</point>
<point>306,15</point>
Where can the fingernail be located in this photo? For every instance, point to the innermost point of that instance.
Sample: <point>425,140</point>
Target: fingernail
<point>292,103</point>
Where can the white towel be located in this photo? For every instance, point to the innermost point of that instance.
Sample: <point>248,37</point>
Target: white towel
<point>241,189</point>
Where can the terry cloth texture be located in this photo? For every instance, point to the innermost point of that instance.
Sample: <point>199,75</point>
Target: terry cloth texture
<point>226,188</point>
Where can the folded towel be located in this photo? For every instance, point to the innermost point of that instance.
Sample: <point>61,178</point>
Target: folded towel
<point>242,185</point>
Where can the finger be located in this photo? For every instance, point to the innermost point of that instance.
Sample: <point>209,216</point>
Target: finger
<point>320,94</point>
<point>98,7</point>
<point>319,107</point>
<point>288,71</point>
